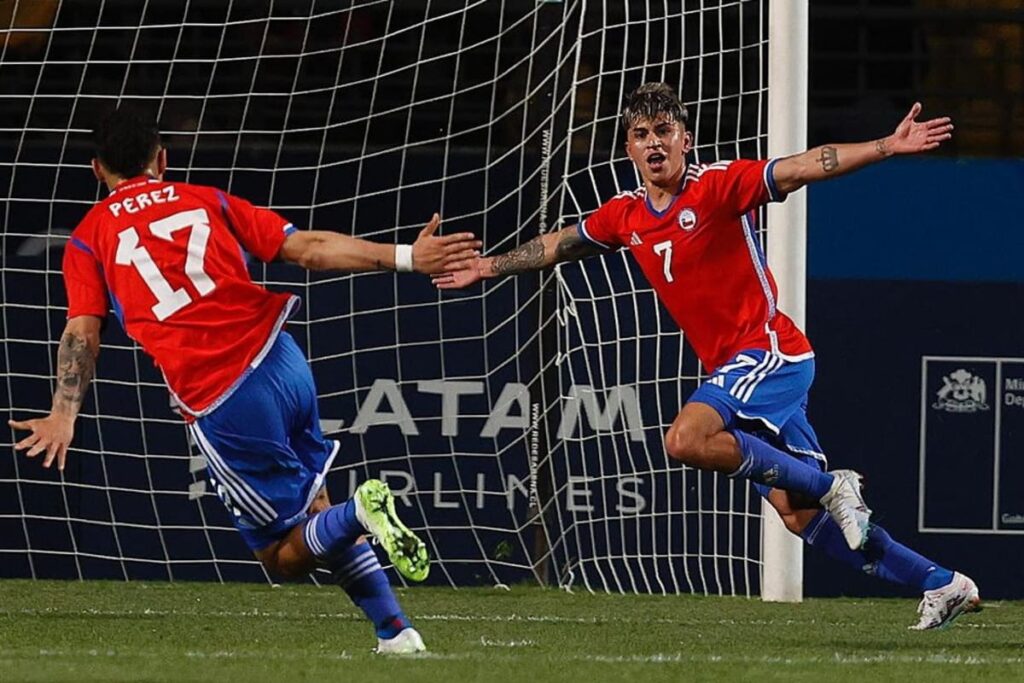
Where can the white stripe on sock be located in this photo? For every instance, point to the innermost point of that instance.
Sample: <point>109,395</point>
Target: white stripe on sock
<point>353,565</point>
<point>344,578</point>
<point>312,541</point>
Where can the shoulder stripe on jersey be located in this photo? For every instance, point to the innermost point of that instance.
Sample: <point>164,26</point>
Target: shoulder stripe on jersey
<point>227,217</point>
<point>82,245</point>
<point>581,228</point>
<point>754,248</point>
<point>769,181</point>
<point>700,170</point>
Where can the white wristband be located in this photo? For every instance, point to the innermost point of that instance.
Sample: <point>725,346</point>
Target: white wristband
<point>403,258</point>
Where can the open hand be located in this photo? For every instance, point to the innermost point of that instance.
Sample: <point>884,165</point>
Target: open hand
<point>51,434</point>
<point>460,274</point>
<point>431,254</point>
<point>913,136</point>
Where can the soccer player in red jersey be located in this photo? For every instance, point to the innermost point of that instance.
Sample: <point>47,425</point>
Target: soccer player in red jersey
<point>691,228</point>
<point>170,258</point>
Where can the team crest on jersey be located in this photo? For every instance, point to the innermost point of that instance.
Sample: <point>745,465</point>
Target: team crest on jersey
<point>687,219</point>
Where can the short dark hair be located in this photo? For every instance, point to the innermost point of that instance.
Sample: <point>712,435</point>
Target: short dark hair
<point>125,142</point>
<point>650,100</point>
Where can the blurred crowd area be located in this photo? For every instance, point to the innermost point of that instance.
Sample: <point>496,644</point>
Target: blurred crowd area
<point>963,58</point>
<point>869,60</point>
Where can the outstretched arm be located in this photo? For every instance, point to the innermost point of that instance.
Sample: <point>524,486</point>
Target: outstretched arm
<point>539,253</point>
<point>829,161</point>
<point>76,366</point>
<point>323,250</point>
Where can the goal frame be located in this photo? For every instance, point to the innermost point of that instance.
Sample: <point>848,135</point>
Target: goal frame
<point>781,551</point>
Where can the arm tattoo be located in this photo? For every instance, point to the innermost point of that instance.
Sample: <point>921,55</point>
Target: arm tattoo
<point>572,247</point>
<point>829,159</point>
<point>882,148</point>
<point>75,368</point>
<point>529,256</point>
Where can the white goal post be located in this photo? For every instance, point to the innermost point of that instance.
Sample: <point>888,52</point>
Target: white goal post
<point>520,423</point>
<point>782,552</point>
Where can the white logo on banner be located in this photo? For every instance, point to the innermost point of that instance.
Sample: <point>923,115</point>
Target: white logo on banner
<point>961,392</point>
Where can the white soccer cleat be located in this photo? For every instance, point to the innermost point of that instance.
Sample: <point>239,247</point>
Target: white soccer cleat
<point>941,606</point>
<point>845,504</point>
<point>407,642</point>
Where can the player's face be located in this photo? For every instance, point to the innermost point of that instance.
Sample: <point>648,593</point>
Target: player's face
<point>658,147</point>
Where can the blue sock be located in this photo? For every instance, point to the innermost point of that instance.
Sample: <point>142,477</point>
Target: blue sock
<point>359,573</point>
<point>332,531</point>
<point>882,556</point>
<point>768,465</point>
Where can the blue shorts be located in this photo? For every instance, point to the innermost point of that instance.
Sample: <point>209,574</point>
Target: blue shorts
<point>266,456</point>
<point>764,394</point>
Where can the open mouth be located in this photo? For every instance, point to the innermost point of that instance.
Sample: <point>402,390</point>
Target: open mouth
<point>656,161</point>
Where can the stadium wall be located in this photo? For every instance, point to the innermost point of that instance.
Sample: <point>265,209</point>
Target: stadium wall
<point>915,273</point>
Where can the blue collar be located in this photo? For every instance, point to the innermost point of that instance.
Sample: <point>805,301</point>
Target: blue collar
<point>660,214</point>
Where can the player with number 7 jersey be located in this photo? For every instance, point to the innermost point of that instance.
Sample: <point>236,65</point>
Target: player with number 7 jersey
<point>691,228</point>
<point>170,258</point>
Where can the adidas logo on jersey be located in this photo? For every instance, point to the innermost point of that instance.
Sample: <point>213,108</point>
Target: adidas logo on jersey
<point>635,240</point>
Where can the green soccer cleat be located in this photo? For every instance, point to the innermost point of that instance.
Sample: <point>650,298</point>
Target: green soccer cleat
<point>375,510</point>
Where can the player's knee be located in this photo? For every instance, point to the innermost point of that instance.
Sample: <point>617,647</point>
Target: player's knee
<point>684,445</point>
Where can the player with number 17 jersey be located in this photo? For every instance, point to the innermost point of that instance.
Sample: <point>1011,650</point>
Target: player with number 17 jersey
<point>703,258</point>
<point>171,256</point>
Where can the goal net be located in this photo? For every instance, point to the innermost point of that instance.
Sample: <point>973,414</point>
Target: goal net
<point>520,422</point>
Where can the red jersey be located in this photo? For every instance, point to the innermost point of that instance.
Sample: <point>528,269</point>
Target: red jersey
<point>702,257</point>
<point>170,256</point>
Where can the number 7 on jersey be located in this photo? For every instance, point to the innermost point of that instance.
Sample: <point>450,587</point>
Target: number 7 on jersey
<point>664,250</point>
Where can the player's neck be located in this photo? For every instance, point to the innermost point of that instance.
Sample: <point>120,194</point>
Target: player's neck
<point>661,195</point>
<point>115,181</point>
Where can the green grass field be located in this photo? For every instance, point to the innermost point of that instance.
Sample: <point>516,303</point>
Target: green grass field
<point>98,631</point>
